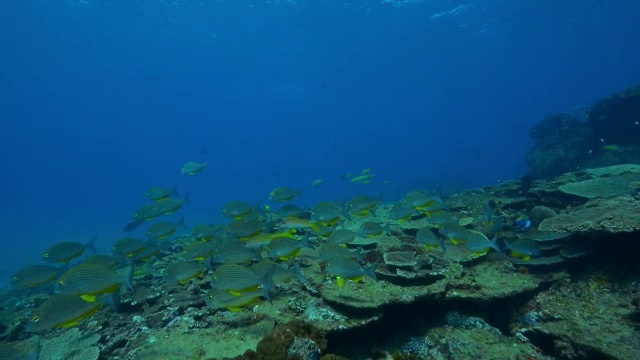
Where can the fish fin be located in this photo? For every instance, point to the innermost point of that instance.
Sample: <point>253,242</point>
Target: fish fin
<point>371,271</point>
<point>340,281</point>
<point>88,298</point>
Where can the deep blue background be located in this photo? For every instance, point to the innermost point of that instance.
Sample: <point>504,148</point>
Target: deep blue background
<point>102,100</point>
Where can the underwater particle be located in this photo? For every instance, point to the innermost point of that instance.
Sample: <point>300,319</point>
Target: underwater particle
<point>184,271</point>
<point>317,182</point>
<point>63,311</point>
<point>192,168</point>
<point>283,194</point>
<point>160,192</point>
<point>88,280</point>
<point>64,251</point>
<point>34,275</point>
<point>346,268</point>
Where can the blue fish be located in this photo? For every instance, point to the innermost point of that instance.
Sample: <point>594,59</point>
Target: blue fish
<point>522,223</point>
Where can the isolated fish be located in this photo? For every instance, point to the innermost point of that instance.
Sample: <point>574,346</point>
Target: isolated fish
<point>317,182</point>
<point>192,168</point>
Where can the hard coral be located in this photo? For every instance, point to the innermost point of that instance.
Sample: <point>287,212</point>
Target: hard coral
<point>280,344</point>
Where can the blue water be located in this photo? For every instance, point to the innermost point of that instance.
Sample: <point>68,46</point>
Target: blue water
<point>101,100</point>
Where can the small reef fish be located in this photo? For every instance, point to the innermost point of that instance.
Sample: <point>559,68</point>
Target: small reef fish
<point>64,310</point>
<point>35,275</point>
<point>159,193</point>
<point>402,212</point>
<point>192,168</point>
<point>362,205</point>
<point>479,244</point>
<point>88,280</point>
<point>234,252</point>
<point>426,237</point>
<point>283,194</point>
<point>317,182</point>
<point>184,271</point>
<point>284,248</point>
<point>346,268</point>
<point>164,229</point>
<point>220,299</point>
<point>127,247</point>
<point>106,261</point>
<point>327,213</point>
<point>237,279</point>
<point>522,223</point>
<point>64,251</point>
<point>524,248</point>
<point>237,209</point>
<point>341,236</point>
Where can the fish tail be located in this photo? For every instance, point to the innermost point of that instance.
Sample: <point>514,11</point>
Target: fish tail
<point>128,279</point>
<point>181,222</point>
<point>91,245</point>
<point>174,191</point>
<point>371,271</point>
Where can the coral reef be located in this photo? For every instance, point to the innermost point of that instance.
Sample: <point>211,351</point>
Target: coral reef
<point>609,136</point>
